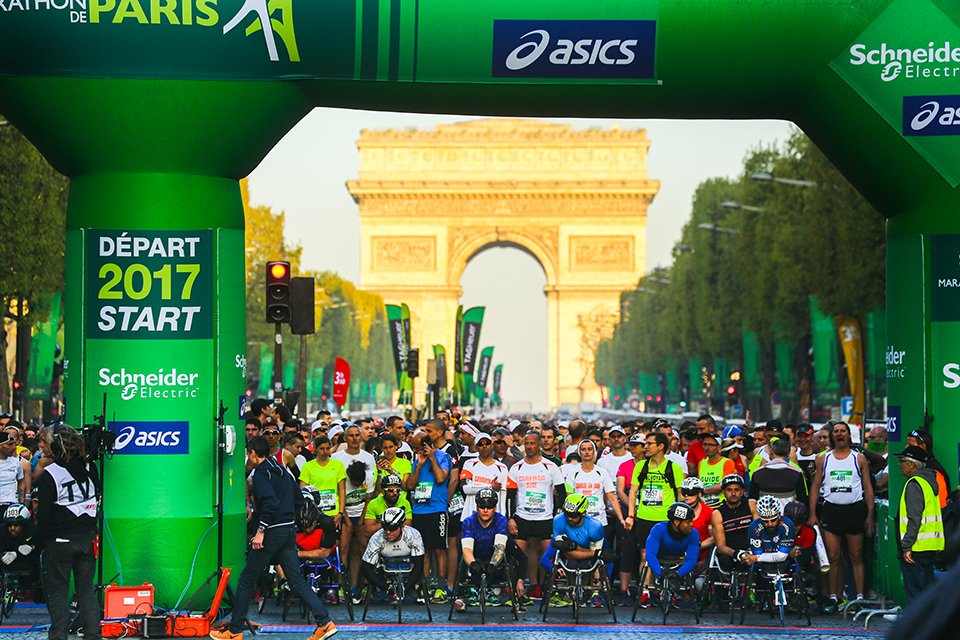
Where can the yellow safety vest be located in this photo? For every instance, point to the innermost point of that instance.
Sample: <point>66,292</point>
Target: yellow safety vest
<point>930,536</point>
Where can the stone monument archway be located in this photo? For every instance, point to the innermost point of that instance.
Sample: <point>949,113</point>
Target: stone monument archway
<point>576,201</point>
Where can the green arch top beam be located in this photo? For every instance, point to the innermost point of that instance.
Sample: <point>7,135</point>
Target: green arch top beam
<point>156,107</point>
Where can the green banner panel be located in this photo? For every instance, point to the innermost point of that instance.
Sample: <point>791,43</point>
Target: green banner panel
<point>266,371</point>
<point>945,340</point>
<point>752,376</point>
<point>875,336</point>
<point>672,382</point>
<point>786,360</point>
<point>905,65</point>
<point>825,361</point>
<point>649,386</point>
<point>43,346</point>
<point>696,380</point>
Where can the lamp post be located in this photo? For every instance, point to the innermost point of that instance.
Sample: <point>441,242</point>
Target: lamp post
<point>769,177</point>
<point>706,226</point>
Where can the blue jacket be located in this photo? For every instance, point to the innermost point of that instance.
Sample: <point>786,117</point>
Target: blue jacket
<point>275,493</point>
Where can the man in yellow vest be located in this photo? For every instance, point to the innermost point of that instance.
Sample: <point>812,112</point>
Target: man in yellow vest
<point>919,523</point>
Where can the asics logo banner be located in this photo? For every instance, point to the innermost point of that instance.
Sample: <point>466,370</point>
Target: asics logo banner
<point>931,115</point>
<point>574,48</point>
<point>151,437</point>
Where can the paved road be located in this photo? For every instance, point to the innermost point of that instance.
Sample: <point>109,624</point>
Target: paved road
<point>382,624</point>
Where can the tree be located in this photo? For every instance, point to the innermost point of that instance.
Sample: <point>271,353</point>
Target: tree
<point>33,201</point>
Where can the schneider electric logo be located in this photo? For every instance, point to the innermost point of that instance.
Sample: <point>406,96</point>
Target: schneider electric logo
<point>936,60</point>
<point>151,437</point>
<point>156,384</point>
<point>574,48</point>
<point>931,115</point>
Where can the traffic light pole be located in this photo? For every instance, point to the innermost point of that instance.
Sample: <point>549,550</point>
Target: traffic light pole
<point>277,364</point>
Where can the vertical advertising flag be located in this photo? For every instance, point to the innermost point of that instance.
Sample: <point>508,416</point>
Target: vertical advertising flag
<point>483,373</point>
<point>907,332</point>
<point>472,323</point>
<point>440,355</point>
<point>458,358</point>
<point>696,380</point>
<point>398,341</point>
<point>407,382</point>
<point>752,367</point>
<point>786,361</point>
<point>341,381</point>
<point>825,361</point>
<point>852,345</point>
<point>42,350</point>
<point>497,377</point>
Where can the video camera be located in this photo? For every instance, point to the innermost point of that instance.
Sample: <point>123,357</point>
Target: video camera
<point>97,439</point>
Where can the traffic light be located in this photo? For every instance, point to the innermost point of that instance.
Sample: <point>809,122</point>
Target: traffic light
<point>278,292</point>
<point>413,363</point>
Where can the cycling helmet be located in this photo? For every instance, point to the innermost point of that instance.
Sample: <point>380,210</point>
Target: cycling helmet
<point>692,484</point>
<point>768,508</point>
<point>487,499</point>
<point>575,504</point>
<point>16,514</point>
<point>797,512</point>
<point>307,516</point>
<point>733,478</point>
<point>392,519</point>
<point>390,481</point>
<point>680,511</point>
<point>311,494</point>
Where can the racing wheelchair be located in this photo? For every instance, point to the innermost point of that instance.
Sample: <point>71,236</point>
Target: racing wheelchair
<point>670,586</point>
<point>723,584</point>
<point>396,570</point>
<point>777,587</point>
<point>500,577</point>
<point>574,579</point>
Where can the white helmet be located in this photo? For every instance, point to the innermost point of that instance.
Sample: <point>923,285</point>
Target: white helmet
<point>768,508</point>
<point>692,483</point>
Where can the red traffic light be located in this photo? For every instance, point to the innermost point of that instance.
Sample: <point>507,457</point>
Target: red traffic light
<point>659,398</point>
<point>731,390</point>
<point>278,270</point>
<point>649,398</point>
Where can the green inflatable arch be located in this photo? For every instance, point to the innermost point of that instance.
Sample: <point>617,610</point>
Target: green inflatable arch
<point>155,108</point>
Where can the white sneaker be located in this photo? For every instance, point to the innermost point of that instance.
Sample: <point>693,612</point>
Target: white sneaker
<point>890,617</point>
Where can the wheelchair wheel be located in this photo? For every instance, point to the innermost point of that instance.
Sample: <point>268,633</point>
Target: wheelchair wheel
<point>696,600</point>
<point>287,595</point>
<point>456,589</point>
<point>666,603</point>
<point>399,589</point>
<point>607,587</point>
<point>426,600</point>
<point>548,592</point>
<point>780,600</point>
<point>483,599</point>
<point>344,580</point>
<point>636,601</point>
<point>745,596</point>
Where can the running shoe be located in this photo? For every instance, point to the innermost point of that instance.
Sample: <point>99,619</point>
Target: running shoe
<point>324,631</point>
<point>557,600</point>
<point>225,634</point>
<point>645,600</point>
<point>623,599</point>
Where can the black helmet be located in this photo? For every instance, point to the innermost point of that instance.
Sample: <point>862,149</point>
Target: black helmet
<point>16,513</point>
<point>797,512</point>
<point>680,511</point>
<point>487,499</point>
<point>392,519</point>
<point>308,516</point>
<point>733,478</point>
<point>391,480</point>
<point>311,494</point>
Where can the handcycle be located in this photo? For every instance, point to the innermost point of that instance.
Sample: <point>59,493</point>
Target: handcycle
<point>395,570</point>
<point>501,577</point>
<point>670,586</point>
<point>578,577</point>
<point>777,587</point>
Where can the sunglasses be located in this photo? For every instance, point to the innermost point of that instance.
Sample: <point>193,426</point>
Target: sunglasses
<point>690,492</point>
<point>271,432</point>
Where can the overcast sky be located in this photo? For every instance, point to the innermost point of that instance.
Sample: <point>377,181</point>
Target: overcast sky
<point>305,175</point>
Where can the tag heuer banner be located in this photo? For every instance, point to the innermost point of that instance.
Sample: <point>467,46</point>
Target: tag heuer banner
<point>470,338</point>
<point>398,340</point>
<point>440,354</point>
<point>484,371</point>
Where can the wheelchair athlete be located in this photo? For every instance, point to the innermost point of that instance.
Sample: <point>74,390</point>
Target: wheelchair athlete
<point>485,541</point>
<point>317,534</point>
<point>771,537</point>
<point>19,549</point>
<point>576,536</point>
<point>672,549</point>
<point>393,540</point>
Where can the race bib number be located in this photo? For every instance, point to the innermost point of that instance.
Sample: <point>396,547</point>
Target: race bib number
<point>841,481</point>
<point>652,496</point>
<point>355,497</point>
<point>328,500</point>
<point>536,502</point>
<point>594,508</point>
<point>423,492</point>
<point>456,504</point>
<point>711,499</point>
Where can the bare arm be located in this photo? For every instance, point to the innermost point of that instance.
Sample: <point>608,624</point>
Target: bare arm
<point>815,491</point>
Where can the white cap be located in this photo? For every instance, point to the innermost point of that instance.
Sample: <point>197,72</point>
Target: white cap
<point>345,414</point>
<point>513,424</point>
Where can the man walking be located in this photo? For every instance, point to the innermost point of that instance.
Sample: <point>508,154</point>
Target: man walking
<point>277,497</point>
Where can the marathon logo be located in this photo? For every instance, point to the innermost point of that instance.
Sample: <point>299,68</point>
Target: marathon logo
<point>153,438</point>
<point>574,48</point>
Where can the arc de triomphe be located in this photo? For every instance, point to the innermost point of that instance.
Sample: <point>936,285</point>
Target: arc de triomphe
<point>575,200</point>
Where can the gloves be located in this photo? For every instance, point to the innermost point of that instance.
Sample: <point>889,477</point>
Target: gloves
<point>25,549</point>
<point>563,543</point>
<point>606,555</point>
<point>8,557</point>
<point>476,568</point>
<point>670,579</point>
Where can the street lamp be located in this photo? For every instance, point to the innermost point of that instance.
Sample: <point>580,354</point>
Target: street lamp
<point>769,177</point>
<point>731,204</point>
<point>712,227</point>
